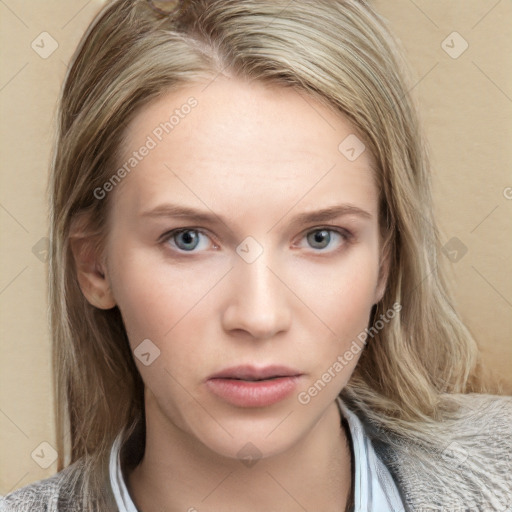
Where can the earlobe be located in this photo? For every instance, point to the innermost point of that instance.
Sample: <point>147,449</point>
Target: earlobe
<point>91,271</point>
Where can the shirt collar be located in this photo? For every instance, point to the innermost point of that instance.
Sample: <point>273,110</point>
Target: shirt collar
<point>374,487</point>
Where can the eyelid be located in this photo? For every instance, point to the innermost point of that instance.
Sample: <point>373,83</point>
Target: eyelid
<point>329,227</point>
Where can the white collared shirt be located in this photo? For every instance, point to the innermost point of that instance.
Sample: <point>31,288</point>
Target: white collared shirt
<point>374,487</point>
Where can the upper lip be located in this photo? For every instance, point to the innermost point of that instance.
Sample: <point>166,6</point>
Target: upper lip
<point>247,372</point>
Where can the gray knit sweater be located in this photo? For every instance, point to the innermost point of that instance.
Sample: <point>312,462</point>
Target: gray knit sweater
<point>470,469</point>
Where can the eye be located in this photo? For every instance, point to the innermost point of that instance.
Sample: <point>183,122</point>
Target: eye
<point>195,240</point>
<point>185,239</point>
<point>320,238</point>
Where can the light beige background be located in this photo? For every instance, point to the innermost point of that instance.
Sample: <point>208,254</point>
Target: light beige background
<point>466,105</point>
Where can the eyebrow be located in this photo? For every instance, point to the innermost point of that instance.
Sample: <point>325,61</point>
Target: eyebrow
<point>185,212</point>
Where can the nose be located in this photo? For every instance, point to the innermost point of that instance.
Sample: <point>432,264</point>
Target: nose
<point>258,301</point>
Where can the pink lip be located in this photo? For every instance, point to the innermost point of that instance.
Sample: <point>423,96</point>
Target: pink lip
<point>238,385</point>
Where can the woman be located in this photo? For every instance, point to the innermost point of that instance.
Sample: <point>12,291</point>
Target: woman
<point>247,304</point>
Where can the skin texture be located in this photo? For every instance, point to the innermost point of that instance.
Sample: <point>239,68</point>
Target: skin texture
<point>256,156</point>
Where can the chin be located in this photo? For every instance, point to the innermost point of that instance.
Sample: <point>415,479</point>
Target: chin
<point>250,445</point>
<point>248,436</point>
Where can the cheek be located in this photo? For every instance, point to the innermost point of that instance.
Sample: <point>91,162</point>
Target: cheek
<point>342,298</point>
<point>169,305</point>
<point>153,295</point>
<point>158,313</point>
<point>341,294</point>
<point>144,301</point>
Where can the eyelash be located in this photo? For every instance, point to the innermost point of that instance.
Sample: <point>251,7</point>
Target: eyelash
<point>347,237</point>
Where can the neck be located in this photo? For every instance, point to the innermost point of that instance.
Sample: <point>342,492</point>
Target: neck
<point>179,474</point>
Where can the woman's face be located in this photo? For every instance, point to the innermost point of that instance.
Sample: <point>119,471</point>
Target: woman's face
<point>259,285</point>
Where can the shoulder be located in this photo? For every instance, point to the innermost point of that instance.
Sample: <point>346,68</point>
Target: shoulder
<point>478,418</point>
<point>56,493</point>
<point>463,462</point>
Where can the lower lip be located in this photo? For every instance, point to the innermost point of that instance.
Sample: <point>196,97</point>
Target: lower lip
<point>261,393</point>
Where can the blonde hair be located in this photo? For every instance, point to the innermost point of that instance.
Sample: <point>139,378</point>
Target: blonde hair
<point>341,53</point>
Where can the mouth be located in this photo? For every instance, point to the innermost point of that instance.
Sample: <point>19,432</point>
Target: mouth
<point>248,386</point>
<point>255,380</point>
<point>251,373</point>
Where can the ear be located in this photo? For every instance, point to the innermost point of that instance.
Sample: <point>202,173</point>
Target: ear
<point>90,267</point>
<point>384,267</point>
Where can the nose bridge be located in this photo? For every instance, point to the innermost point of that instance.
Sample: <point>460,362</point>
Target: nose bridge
<point>258,300</point>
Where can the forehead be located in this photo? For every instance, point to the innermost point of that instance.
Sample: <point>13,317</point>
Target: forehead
<point>240,140</point>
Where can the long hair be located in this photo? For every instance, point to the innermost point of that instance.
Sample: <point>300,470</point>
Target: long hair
<point>341,53</point>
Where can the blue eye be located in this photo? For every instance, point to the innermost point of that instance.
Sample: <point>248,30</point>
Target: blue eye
<point>185,239</point>
<point>321,238</point>
<point>189,240</point>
